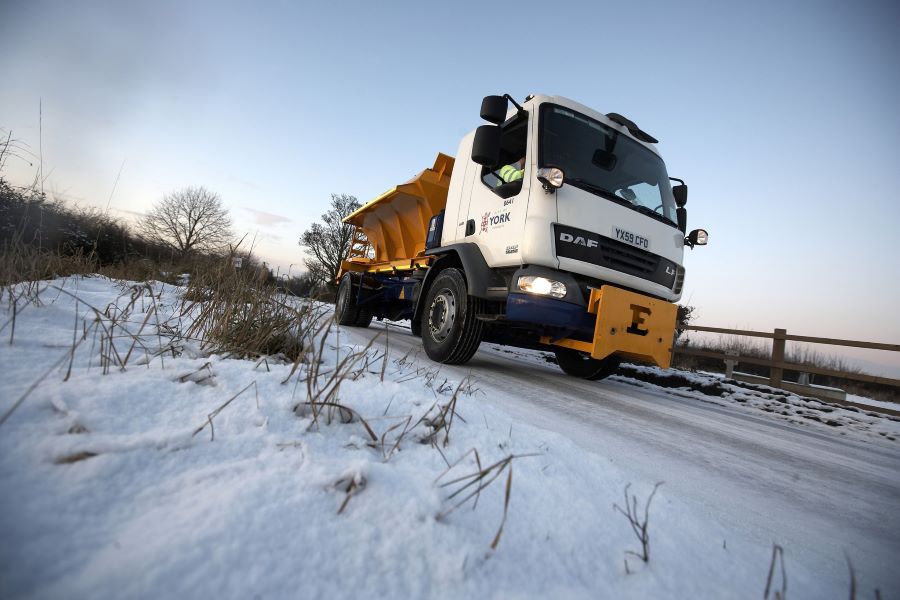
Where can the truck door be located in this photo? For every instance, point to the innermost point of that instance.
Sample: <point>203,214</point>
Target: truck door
<point>499,197</point>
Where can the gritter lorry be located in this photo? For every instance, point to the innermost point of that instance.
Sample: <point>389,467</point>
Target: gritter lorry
<point>581,253</point>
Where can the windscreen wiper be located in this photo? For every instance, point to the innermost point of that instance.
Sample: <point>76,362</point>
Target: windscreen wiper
<point>598,190</point>
<point>650,212</point>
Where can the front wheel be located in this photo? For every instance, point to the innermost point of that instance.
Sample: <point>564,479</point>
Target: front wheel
<point>450,330</point>
<point>579,364</point>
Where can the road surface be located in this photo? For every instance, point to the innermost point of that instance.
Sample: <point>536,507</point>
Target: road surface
<point>815,492</point>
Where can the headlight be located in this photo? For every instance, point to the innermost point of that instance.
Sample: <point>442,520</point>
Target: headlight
<point>551,177</point>
<point>542,286</point>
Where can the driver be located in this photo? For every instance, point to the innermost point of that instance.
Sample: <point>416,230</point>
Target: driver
<point>629,195</point>
<point>512,172</point>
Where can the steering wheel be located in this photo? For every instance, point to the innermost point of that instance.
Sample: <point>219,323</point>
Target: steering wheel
<point>657,209</point>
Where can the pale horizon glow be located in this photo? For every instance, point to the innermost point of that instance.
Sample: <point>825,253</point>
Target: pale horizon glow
<point>781,117</point>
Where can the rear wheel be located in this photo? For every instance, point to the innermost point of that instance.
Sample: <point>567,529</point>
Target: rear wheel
<point>363,317</point>
<point>579,364</point>
<point>346,311</point>
<point>450,332</point>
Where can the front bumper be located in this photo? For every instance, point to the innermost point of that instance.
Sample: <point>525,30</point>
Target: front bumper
<point>628,324</point>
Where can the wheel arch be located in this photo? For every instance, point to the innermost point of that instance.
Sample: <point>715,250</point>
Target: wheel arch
<point>481,280</point>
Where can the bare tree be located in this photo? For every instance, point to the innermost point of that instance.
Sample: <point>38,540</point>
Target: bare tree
<point>328,243</point>
<point>187,220</point>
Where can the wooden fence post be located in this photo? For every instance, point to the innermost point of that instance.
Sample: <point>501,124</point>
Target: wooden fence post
<point>777,373</point>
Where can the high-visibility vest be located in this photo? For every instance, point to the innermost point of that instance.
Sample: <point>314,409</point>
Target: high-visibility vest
<point>509,173</point>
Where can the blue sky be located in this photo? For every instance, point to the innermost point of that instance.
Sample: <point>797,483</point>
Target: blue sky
<point>781,116</point>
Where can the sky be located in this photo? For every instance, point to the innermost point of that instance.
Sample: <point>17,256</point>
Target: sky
<point>781,117</point>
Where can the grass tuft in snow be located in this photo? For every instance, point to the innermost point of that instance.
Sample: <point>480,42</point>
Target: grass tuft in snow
<point>638,525</point>
<point>469,487</point>
<point>351,484</point>
<point>242,314</point>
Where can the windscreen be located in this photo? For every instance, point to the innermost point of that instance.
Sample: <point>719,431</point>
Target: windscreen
<point>607,163</point>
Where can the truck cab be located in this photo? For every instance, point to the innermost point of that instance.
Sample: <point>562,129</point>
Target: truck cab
<point>563,230</point>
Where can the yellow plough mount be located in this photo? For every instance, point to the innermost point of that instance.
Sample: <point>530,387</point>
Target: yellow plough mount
<point>633,325</point>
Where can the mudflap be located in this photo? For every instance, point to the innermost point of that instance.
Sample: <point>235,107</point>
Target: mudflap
<point>629,324</point>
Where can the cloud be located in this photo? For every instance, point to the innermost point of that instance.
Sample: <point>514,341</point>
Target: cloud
<point>265,218</point>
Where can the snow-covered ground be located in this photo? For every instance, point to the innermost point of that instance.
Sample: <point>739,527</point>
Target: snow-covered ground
<point>189,475</point>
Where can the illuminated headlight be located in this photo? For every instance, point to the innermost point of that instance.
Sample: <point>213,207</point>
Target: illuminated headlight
<point>542,286</point>
<point>551,176</point>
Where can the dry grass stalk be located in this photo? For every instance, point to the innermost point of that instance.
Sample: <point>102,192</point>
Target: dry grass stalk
<point>470,486</point>
<point>443,420</point>
<point>214,414</point>
<point>74,458</point>
<point>351,485</point>
<point>777,556</point>
<point>638,526</point>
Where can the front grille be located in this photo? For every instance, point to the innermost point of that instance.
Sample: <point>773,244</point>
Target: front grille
<point>628,259</point>
<point>679,281</point>
<point>612,254</point>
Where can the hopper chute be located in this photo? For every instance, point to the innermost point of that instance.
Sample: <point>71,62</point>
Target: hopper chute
<point>396,222</point>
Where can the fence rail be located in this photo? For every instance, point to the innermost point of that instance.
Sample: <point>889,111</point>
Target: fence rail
<point>776,363</point>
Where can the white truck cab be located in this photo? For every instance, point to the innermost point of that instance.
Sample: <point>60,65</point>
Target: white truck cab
<point>614,218</point>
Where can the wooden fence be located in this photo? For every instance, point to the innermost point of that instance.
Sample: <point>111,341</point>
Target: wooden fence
<point>776,363</point>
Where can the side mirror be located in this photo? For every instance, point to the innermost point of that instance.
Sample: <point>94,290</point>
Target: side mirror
<point>486,146</point>
<point>681,214</point>
<point>680,193</point>
<point>697,237</point>
<point>493,109</point>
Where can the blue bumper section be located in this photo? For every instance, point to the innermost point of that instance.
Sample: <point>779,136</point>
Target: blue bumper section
<point>549,312</point>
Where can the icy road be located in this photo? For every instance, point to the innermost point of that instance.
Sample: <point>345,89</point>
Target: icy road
<point>818,495</point>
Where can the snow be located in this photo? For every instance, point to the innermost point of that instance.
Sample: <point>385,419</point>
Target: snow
<point>117,486</point>
<point>872,402</point>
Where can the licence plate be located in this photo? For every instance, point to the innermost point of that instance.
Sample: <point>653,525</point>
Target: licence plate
<point>631,238</point>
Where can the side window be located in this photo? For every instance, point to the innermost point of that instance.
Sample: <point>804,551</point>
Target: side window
<point>505,179</point>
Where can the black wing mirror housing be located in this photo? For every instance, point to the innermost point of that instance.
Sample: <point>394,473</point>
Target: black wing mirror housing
<point>681,215</point>
<point>486,145</point>
<point>680,193</point>
<point>493,109</point>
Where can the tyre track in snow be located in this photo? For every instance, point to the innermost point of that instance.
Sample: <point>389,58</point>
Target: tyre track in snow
<point>816,494</point>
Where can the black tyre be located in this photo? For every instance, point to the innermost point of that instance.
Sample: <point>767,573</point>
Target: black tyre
<point>345,310</point>
<point>450,332</point>
<point>363,317</point>
<point>415,327</point>
<point>579,364</point>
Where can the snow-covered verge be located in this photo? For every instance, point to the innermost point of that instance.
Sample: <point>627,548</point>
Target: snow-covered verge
<point>781,404</point>
<point>775,403</point>
<point>193,475</point>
